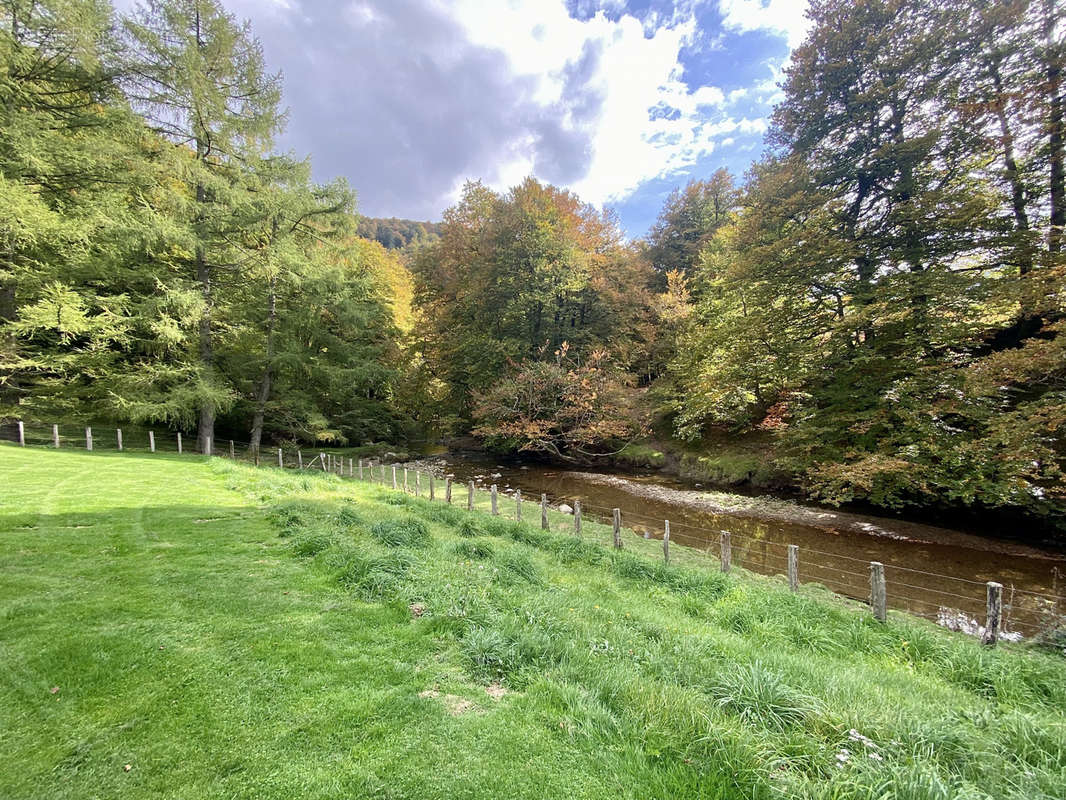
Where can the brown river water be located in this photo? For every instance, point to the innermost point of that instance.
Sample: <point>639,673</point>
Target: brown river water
<point>930,571</point>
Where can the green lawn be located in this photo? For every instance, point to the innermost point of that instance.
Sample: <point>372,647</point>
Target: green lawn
<point>176,628</point>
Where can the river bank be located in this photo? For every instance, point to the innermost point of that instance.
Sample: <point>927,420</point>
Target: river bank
<point>743,476</point>
<point>933,571</point>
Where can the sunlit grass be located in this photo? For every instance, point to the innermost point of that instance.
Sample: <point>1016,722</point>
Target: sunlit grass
<point>224,631</point>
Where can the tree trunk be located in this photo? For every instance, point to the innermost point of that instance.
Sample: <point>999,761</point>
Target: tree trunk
<point>265,383</point>
<point>206,432</point>
<point>1013,174</point>
<point>1056,147</point>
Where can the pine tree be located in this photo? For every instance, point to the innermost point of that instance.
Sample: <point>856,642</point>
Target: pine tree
<point>199,78</point>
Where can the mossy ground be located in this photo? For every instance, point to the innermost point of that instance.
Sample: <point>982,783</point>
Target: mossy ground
<point>228,632</point>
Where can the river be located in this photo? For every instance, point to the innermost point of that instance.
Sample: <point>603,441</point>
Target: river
<point>930,571</point>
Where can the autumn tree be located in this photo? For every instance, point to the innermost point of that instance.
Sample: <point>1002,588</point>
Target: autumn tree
<point>515,276</point>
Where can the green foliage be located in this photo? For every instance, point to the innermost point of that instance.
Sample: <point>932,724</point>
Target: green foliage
<point>397,234</point>
<point>874,305</point>
<point>160,265</point>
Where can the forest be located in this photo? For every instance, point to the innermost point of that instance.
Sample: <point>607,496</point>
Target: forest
<point>878,301</point>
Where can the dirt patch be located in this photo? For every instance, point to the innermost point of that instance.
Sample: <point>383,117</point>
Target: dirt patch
<point>453,704</point>
<point>417,610</point>
<point>495,691</point>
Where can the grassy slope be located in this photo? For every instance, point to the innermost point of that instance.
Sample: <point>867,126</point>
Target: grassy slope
<point>217,658</point>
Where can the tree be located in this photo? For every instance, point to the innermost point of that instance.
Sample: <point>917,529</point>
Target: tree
<point>561,408</point>
<point>198,76</point>
<point>687,222</point>
<point>881,299</point>
<point>515,276</point>
<point>73,158</point>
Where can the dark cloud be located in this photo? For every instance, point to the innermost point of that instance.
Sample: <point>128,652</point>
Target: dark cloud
<point>392,95</point>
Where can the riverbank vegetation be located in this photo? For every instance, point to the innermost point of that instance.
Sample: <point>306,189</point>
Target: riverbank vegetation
<point>195,627</point>
<point>878,301</point>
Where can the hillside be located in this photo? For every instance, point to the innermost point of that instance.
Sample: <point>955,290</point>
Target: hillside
<point>396,234</point>
<point>177,628</point>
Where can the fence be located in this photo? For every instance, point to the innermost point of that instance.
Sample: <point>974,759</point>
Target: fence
<point>951,601</point>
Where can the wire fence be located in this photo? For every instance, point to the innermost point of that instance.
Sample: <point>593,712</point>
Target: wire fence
<point>991,610</point>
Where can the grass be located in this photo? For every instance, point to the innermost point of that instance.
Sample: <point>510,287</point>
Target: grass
<point>183,629</point>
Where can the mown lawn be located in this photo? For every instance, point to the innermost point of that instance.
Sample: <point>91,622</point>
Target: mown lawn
<point>176,628</point>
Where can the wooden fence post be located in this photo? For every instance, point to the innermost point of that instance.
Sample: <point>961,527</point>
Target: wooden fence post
<point>793,567</point>
<point>360,469</point>
<point>544,512</point>
<point>322,458</point>
<point>727,551</point>
<point>22,434</point>
<point>617,513</point>
<point>88,438</point>
<point>351,468</point>
<point>232,450</point>
<point>281,459</point>
<point>405,479</point>
<point>118,437</point>
<point>666,542</point>
<point>179,443</point>
<point>448,491</point>
<point>151,441</point>
<point>418,483</point>
<point>993,612</point>
<point>577,517</point>
<point>878,594</point>
<point>299,459</point>
<point>432,493</point>
<point>494,501</point>
<point>518,505</point>
<point>55,436</point>
<point>395,485</point>
<point>208,451</point>
<point>470,496</point>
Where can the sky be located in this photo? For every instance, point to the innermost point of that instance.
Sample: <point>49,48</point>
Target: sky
<point>617,100</point>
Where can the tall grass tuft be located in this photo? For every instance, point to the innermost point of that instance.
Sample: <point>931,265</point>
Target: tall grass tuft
<point>759,696</point>
<point>403,532</point>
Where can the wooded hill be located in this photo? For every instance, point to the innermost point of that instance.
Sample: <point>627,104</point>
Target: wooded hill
<point>881,294</point>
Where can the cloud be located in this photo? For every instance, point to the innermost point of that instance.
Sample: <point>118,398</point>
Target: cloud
<point>786,17</point>
<point>644,121</point>
<point>411,98</point>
